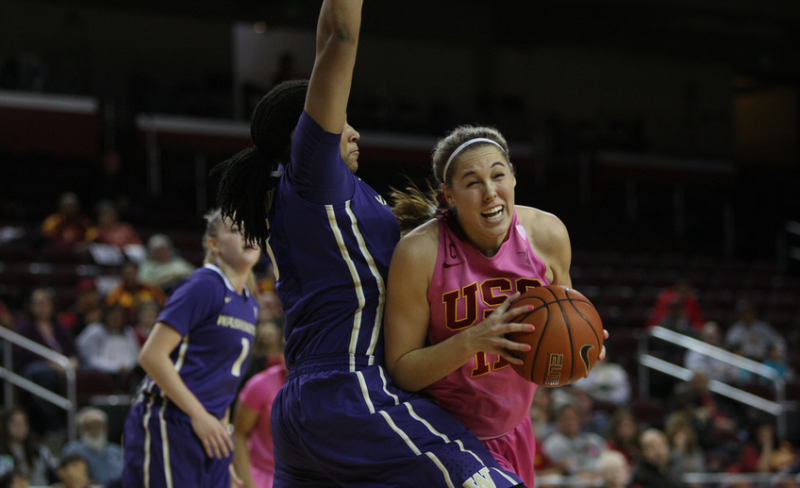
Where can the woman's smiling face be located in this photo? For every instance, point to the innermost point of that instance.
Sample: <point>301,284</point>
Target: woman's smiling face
<point>482,190</point>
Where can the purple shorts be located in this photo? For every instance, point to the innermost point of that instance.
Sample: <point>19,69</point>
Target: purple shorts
<point>162,451</point>
<point>336,428</point>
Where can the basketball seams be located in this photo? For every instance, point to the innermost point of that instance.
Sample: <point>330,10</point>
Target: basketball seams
<point>569,333</point>
<point>583,316</point>
<point>566,337</point>
<point>539,344</point>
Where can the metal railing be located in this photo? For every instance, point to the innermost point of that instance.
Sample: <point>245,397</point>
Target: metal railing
<point>7,373</point>
<point>776,408</point>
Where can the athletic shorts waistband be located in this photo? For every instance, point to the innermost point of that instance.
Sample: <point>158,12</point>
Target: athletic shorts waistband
<point>335,362</point>
<point>156,401</point>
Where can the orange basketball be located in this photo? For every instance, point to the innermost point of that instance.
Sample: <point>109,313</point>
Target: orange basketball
<point>567,340</point>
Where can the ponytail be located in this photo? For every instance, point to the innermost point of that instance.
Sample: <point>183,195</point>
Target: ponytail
<point>244,194</point>
<point>413,207</point>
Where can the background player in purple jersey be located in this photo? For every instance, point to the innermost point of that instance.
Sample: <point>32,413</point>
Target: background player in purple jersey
<point>452,281</point>
<point>176,434</point>
<point>337,422</point>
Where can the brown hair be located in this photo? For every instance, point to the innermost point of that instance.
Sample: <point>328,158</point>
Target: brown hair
<point>413,207</point>
<point>681,420</point>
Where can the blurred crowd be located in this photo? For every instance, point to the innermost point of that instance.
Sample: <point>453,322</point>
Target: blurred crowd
<point>597,430</point>
<point>100,333</point>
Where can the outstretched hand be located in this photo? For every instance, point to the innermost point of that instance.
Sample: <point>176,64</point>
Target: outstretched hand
<point>489,336</point>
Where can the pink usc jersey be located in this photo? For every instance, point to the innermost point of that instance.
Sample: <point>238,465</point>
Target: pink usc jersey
<point>485,394</point>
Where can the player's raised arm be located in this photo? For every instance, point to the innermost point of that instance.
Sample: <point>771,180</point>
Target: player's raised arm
<point>337,42</point>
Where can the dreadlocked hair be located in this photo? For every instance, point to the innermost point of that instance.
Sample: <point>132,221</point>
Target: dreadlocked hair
<point>413,207</point>
<point>245,189</point>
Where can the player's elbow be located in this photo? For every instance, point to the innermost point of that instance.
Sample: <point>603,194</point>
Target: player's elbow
<point>401,377</point>
<point>146,360</point>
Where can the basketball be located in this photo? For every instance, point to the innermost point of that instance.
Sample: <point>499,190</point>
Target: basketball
<point>567,340</point>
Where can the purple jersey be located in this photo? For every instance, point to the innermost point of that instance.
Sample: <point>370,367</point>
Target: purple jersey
<point>331,241</point>
<point>217,325</point>
<point>338,422</point>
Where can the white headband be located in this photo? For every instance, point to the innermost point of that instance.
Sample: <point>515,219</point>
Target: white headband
<point>464,146</point>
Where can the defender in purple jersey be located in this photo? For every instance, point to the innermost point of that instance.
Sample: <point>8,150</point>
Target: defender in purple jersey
<point>176,433</point>
<point>338,421</point>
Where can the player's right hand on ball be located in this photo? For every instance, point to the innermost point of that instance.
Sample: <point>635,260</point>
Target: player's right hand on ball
<point>213,434</point>
<point>490,335</point>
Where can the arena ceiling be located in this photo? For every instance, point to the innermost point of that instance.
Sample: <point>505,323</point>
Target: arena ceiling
<point>754,36</point>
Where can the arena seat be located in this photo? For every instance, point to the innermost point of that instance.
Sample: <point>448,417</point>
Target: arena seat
<point>64,255</point>
<point>16,253</point>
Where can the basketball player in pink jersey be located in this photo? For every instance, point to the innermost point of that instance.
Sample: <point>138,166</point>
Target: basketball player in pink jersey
<point>452,281</point>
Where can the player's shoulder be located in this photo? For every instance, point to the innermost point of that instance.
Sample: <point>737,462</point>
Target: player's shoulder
<point>535,215</point>
<point>426,236</point>
<point>206,279</point>
<point>541,224</point>
<point>418,248</point>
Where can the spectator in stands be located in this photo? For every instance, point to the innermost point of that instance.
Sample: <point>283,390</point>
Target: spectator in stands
<point>624,435</point>
<point>110,230</point>
<point>110,346</point>
<point>253,454</point>
<point>674,320</point>
<point>752,335</point>
<point>6,319</point>
<point>104,459</point>
<point>86,309</point>
<point>542,424</point>
<point>73,471</point>
<point>592,420</point>
<point>67,226</point>
<point>652,470</point>
<point>764,452</point>
<point>686,455</point>
<point>131,292</point>
<point>573,451</point>
<point>680,295</point>
<point>712,419</point>
<point>776,359</point>
<point>41,327</point>
<point>713,368</point>
<point>269,307</point>
<point>609,384</point>
<point>146,316</point>
<point>541,413</point>
<point>267,349</point>
<point>162,267</point>
<point>32,460</point>
<point>614,470</point>
<point>12,479</point>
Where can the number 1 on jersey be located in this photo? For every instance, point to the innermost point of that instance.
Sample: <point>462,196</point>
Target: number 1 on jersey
<point>236,370</point>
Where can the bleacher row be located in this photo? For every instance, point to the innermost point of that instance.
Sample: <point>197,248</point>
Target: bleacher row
<point>624,287</point>
<point>23,267</point>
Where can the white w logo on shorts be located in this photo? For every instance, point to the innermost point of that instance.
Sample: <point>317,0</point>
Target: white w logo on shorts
<point>481,479</point>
